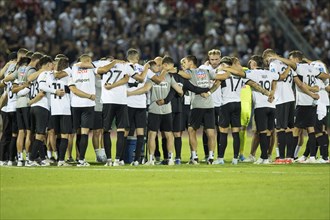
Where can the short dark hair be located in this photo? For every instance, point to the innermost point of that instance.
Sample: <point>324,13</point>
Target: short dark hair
<point>24,60</point>
<point>44,60</point>
<point>29,54</point>
<point>227,60</point>
<point>60,55</point>
<point>62,63</point>
<point>296,54</point>
<point>192,58</point>
<point>152,63</point>
<point>168,60</point>
<point>36,56</point>
<point>258,59</point>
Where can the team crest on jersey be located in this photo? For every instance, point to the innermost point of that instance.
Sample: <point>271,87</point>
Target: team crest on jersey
<point>201,74</point>
<point>137,68</point>
<point>272,70</point>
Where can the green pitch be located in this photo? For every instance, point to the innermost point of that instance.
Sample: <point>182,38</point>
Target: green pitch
<point>245,191</point>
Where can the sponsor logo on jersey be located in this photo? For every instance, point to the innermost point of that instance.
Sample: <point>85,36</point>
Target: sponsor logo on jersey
<point>201,74</point>
<point>81,80</point>
<point>82,71</point>
<point>161,85</point>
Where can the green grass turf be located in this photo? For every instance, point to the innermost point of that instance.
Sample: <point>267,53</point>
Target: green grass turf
<point>245,191</point>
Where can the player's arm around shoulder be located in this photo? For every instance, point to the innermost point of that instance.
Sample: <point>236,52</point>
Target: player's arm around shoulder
<point>147,86</point>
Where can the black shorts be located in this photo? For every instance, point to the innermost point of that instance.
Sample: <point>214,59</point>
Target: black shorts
<point>185,116</point>
<point>13,120</point>
<point>264,118</point>
<point>177,124</point>
<point>6,126</point>
<point>160,122</point>
<point>230,114</point>
<point>284,115</point>
<point>137,117</point>
<point>62,124</point>
<point>217,112</point>
<point>98,121</point>
<point>39,119</point>
<point>321,125</point>
<point>23,118</point>
<point>82,117</point>
<point>115,111</point>
<point>305,116</point>
<point>202,116</point>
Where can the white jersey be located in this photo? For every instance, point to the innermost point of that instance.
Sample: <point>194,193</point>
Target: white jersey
<point>138,101</point>
<point>84,80</point>
<point>41,83</point>
<point>264,78</point>
<point>59,105</point>
<point>307,74</point>
<point>216,95</point>
<point>231,89</point>
<point>12,98</point>
<point>98,85</point>
<point>284,92</point>
<point>324,96</point>
<point>117,95</point>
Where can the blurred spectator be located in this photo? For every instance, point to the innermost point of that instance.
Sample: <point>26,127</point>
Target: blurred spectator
<point>158,27</point>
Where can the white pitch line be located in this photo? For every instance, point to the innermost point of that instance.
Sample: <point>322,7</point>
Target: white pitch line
<point>135,169</point>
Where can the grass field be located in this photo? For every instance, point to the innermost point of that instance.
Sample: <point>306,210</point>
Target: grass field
<point>245,191</point>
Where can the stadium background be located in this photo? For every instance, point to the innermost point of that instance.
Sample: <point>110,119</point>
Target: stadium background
<point>177,28</point>
<point>238,28</point>
<point>101,28</point>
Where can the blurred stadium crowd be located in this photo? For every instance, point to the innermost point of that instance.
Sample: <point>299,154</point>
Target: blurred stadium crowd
<point>169,27</point>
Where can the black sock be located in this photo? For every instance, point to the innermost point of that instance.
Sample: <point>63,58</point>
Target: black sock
<point>138,149</point>
<point>326,151</point>
<point>58,143</point>
<point>178,147</point>
<point>218,138</point>
<point>223,144</point>
<point>281,143</point>
<point>12,149</point>
<point>43,151</point>
<point>268,142</point>
<point>33,151</point>
<point>263,145</point>
<point>107,144</point>
<point>78,136</point>
<point>83,143</point>
<point>39,148</point>
<point>119,144</point>
<point>289,144</point>
<point>205,145</point>
<point>311,144</point>
<point>307,151</point>
<point>164,146</point>
<point>157,151</point>
<point>62,148</point>
<point>236,144</point>
<point>322,142</point>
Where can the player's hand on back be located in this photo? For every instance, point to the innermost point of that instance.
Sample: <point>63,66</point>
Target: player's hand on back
<point>60,92</point>
<point>315,96</point>
<point>160,102</point>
